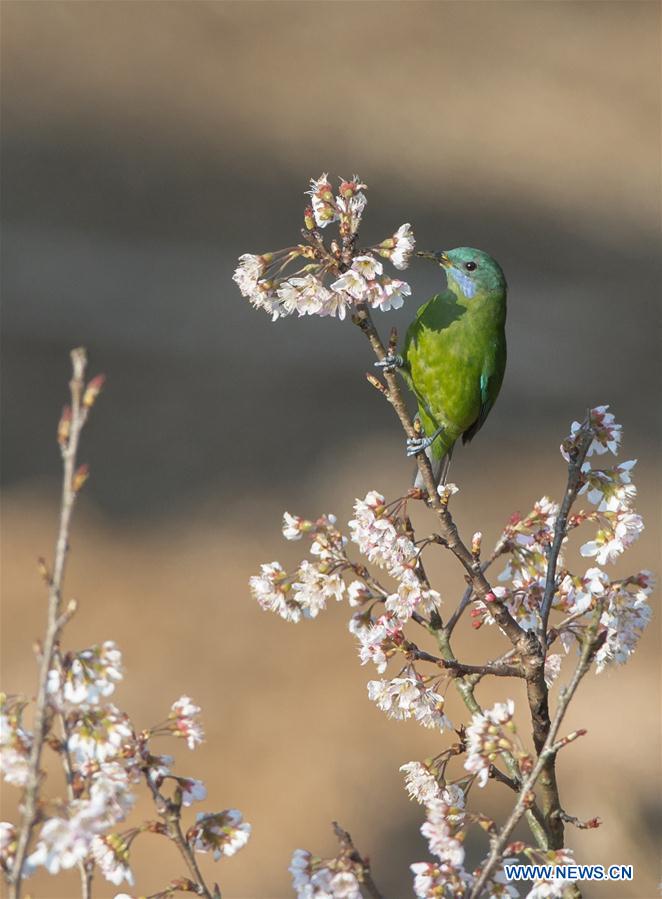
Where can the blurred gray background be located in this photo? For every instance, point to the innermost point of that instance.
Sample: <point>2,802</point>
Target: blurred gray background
<point>145,146</point>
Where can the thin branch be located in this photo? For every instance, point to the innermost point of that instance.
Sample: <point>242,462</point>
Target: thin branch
<point>561,527</point>
<point>85,869</point>
<point>69,435</point>
<point>468,595</point>
<point>549,750</point>
<point>170,812</point>
<point>347,844</point>
<point>497,668</point>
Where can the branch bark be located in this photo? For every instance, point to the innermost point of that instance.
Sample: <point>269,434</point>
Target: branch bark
<point>69,446</point>
<point>368,885</point>
<point>550,749</point>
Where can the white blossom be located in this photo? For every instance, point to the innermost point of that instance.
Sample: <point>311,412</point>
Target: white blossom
<point>412,596</point>
<point>404,246</point>
<point>433,880</point>
<point>610,542</point>
<point>420,782</point>
<point>486,738</point>
<point>353,283</point>
<point>606,433</point>
<point>193,790</point>
<point>293,526</point>
<point>109,789</point>
<point>357,593</point>
<point>306,296</point>
<point>324,205</point>
<point>248,273</point>
<point>626,616</point>
<point>367,266</point>
<point>185,721</point>
<point>313,587</point>
<point>378,538</point>
<point>552,668</point>
<point>99,733</point>
<point>63,842</point>
<point>15,746</point>
<point>88,676</point>
<point>221,833</point>
<point>111,854</point>
<point>392,294</point>
<point>8,843</point>
<point>407,697</point>
<point>440,831</point>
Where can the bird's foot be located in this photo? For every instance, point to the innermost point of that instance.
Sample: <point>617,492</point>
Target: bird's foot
<point>391,362</point>
<point>417,445</point>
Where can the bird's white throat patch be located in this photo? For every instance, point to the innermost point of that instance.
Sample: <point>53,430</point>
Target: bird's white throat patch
<point>466,284</point>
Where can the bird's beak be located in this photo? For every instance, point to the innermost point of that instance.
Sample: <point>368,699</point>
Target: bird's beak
<point>438,257</point>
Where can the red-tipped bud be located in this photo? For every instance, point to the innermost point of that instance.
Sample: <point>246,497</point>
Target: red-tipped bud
<point>64,426</point>
<point>42,568</point>
<point>515,848</point>
<point>376,383</point>
<point>93,390</point>
<point>81,475</point>
<point>309,218</point>
<point>490,597</point>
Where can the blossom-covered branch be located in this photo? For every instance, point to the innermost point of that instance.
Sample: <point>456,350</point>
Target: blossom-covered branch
<point>391,593</point>
<point>103,756</point>
<point>71,424</point>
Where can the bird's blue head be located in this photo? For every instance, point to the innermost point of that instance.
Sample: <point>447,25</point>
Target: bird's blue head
<point>470,271</point>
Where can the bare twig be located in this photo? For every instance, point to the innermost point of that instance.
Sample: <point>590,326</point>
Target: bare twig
<point>368,885</point>
<point>69,432</point>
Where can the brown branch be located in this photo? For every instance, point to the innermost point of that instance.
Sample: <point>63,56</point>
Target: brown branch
<point>170,812</point>
<point>549,750</point>
<point>368,885</point>
<point>69,435</point>
<point>497,668</point>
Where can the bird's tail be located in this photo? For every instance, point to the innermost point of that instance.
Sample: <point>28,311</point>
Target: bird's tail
<point>440,468</point>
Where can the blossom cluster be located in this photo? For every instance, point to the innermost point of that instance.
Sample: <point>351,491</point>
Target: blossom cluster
<point>445,828</point>
<point>329,280</point>
<point>383,535</point>
<point>105,759</point>
<point>491,734</point>
<point>316,878</point>
<point>526,540</point>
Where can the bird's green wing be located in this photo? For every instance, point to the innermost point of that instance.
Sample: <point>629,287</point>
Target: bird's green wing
<point>490,383</point>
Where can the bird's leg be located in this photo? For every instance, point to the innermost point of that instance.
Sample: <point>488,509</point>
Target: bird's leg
<point>391,362</point>
<point>416,445</point>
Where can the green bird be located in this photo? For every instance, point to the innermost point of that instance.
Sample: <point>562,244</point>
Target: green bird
<point>454,355</point>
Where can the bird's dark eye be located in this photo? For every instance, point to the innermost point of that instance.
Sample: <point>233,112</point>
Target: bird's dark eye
<point>470,266</point>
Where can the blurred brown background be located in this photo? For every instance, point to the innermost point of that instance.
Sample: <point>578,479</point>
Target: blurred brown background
<point>145,146</point>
